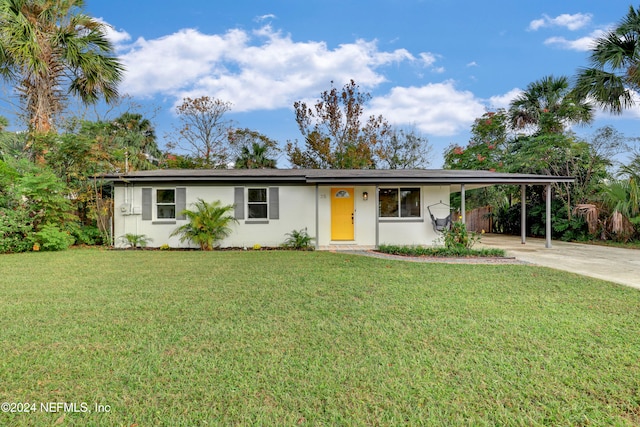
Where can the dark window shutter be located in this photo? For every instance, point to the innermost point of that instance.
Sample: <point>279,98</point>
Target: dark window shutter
<point>147,208</point>
<point>238,201</point>
<point>181,202</point>
<point>274,203</point>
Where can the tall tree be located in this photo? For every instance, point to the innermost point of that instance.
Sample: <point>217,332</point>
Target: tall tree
<point>336,134</point>
<point>548,106</point>
<point>252,150</point>
<point>615,66</point>
<point>403,149</point>
<point>137,136</point>
<point>204,130</point>
<point>254,158</point>
<point>50,49</point>
<point>487,147</point>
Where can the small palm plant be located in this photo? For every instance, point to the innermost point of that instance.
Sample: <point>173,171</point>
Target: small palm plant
<point>299,239</point>
<point>208,224</point>
<point>136,240</point>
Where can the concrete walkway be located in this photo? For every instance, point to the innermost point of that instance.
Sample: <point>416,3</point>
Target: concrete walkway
<point>602,262</point>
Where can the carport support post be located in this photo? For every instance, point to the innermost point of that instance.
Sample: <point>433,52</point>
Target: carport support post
<point>317,239</point>
<point>377,201</point>
<point>548,229</point>
<point>523,213</point>
<point>463,208</point>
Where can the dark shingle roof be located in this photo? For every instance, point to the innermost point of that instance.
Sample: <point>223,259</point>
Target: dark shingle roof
<point>336,176</point>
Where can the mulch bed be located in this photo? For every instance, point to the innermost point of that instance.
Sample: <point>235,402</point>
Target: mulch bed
<point>449,260</point>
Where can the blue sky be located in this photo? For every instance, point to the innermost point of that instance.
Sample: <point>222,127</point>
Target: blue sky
<point>432,64</point>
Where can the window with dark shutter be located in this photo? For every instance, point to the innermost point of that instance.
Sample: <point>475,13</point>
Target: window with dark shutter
<point>274,203</point>
<point>147,208</point>
<point>238,202</point>
<point>181,202</point>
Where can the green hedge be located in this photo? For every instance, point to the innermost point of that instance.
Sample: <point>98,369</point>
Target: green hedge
<point>440,251</point>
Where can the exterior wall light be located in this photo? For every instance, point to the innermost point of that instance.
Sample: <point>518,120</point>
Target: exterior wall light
<point>365,196</point>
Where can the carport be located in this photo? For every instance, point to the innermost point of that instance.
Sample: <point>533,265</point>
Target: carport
<point>480,179</point>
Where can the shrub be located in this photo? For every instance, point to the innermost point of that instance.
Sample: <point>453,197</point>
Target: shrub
<point>85,234</point>
<point>51,238</point>
<point>298,239</point>
<point>16,231</point>
<point>459,237</point>
<point>136,240</point>
<point>440,251</point>
<point>44,194</point>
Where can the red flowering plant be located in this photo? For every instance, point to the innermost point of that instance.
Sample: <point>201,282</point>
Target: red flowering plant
<point>486,147</point>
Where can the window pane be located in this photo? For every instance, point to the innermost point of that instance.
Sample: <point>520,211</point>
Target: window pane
<point>257,210</point>
<point>166,211</point>
<point>388,206</point>
<point>409,202</point>
<point>166,196</point>
<point>258,195</point>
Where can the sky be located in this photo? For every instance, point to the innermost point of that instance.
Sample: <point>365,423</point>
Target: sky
<point>434,65</point>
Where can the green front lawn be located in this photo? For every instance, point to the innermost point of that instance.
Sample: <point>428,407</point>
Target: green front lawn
<point>312,338</point>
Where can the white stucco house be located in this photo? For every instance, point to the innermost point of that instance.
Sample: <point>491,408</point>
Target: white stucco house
<point>361,208</point>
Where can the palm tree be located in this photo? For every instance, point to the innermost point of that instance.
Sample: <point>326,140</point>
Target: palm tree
<point>50,49</point>
<point>614,67</point>
<point>621,198</point>
<point>135,134</point>
<point>208,224</point>
<point>254,158</point>
<point>548,105</point>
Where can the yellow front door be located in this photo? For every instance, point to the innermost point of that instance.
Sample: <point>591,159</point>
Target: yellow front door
<point>342,214</point>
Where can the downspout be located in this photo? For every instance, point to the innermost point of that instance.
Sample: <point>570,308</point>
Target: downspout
<point>463,205</point>
<point>113,214</point>
<point>523,214</point>
<point>134,216</point>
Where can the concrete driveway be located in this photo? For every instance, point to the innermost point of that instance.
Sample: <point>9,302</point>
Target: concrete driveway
<point>602,262</point>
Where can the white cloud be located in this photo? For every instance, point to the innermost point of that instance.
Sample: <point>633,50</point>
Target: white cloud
<point>571,22</point>
<point>260,70</point>
<point>428,59</point>
<point>169,64</point>
<point>503,101</point>
<point>582,44</point>
<point>116,37</point>
<point>437,109</point>
<point>264,17</point>
<point>472,64</point>
<point>536,24</point>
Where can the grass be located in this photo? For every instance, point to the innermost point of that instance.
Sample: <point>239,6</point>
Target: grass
<point>312,338</point>
<point>632,244</point>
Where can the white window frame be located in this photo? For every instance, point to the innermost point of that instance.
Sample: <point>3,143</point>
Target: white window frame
<point>260,203</point>
<point>160,204</point>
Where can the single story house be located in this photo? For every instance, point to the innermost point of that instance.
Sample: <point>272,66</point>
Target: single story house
<point>362,208</point>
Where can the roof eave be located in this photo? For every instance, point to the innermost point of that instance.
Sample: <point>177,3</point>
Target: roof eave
<point>543,180</point>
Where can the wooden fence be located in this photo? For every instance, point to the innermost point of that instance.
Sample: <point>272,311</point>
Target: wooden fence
<point>479,219</point>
